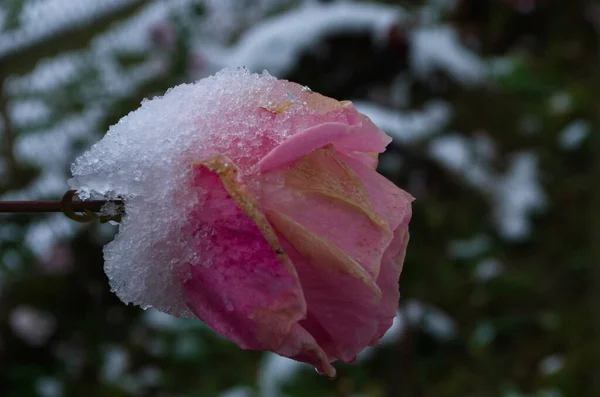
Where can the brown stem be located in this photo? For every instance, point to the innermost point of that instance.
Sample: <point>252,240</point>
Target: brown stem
<point>53,205</point>
<point>77,210</point>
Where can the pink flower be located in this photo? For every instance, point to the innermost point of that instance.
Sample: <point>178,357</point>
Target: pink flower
<point>305,239</point>
<point>253,204</point>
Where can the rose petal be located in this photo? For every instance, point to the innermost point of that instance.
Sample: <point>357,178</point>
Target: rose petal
<point>361,136</point>
<point>342,298</point>
<point>302,143</point>
<point>391,267</point>
<point>245,288</point>
<point>389,201</point>
<point>301,346</point>
<point>323,195</point>
<point>365,137</point>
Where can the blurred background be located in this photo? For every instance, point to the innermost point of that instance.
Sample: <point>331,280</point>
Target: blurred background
<point>493,107</point>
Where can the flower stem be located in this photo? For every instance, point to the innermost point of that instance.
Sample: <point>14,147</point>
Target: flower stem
<point>52,206</point>
<point>77,210</point>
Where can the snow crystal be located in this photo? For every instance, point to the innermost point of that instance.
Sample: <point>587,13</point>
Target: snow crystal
<point>146,159</point>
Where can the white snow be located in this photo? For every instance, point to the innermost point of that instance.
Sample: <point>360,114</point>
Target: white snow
<point>417,314</point>
<point>116,363</point>
<point>469,248</point>
<point>42,19</point>
<point>32,325</point>
<point>161,321</point>
<point>432,320</point>
<point>49,387</point>
<point>390,337</point>
<point>438,48</point>
<point>238,391</point>
<point>574,134</point>
<point>42,235</point>
<point>26,112</point>
<point>518,193</point>
<point>276,44</point>
<point>411,126</point>
<point>274,371</point>
<point>515,194</point>
<point>487,269</point>
<point>459,154</point>
<point>552,364</point>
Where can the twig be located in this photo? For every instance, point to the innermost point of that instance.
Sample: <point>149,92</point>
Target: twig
<point>36,206</point>
<point>77,210</point>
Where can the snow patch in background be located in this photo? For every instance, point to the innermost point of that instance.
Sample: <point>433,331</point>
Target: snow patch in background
<point>439,49</point>
<point>31,325</point>
<point>43,19</point>
<point>239,391</point>
<point>518,194</point>
<point>49,387</point>
<point>552,364</point>
<point>274,371</point>
<point>487,269</point>
<point>410,126</point>
<point>574,135</point>
<point>514,195</point>
<point>116,363</point>
<point>276,43</point>
<point>469,248</point>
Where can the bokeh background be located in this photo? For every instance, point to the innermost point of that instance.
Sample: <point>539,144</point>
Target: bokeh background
<point>493,106</point>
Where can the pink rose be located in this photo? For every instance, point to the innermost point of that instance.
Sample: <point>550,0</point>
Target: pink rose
<point>307,248</point>
<point>292,242</point>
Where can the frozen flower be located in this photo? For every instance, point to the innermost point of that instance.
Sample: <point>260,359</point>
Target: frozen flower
<point>254,204</point>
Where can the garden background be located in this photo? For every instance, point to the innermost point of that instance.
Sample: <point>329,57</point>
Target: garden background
<point>494,110</point>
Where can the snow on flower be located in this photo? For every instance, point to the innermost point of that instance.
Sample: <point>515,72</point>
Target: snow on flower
<point>253,204</point>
